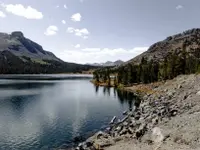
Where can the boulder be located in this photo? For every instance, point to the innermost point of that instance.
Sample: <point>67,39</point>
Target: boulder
<point>157,136</point>
<point>113,120</point>
<point>130,130</point>
<point>173,112</point>
<point>141,130</point>
<point>198,93</point>
<point>101,134</point>
<point>179,86</point>
<point>155,121</point>
<point>125,123</point>
<point>100,144</point>
<point>119,128</point>
<point>124,131</point>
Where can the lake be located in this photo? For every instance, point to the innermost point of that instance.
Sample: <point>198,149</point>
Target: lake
<point>49,112</point>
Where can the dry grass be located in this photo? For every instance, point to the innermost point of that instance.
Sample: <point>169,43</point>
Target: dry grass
<point>145,88</point>
<point>100,83</point>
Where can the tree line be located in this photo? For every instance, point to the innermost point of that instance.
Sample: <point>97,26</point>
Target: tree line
<point>11,64</point>
<point>147,71</point>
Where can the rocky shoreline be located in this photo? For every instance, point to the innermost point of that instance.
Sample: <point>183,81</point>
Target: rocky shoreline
<point>165,102</point>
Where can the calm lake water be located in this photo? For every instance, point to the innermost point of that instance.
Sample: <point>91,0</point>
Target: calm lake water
<point>47,114</point>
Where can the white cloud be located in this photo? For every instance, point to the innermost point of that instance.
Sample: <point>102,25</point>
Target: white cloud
<point>77,46</point>
<point>63,21</point>
<point>91,55</point>
<point>70,29</point>
<point>79,32</point>
<point>91,49</point>
<point>51,30</point>
<point>2,15</point>
<point>57,6</point>
<point>85,37</point>
<point>65,6</point>
<point>179,7</point>
<point>81,1</point>
<point>20,10</point>
<point>76,17</point>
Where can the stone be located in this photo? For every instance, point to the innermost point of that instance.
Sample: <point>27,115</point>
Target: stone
<point>137,117</point>
<point>113,120</point>
<point>141,130</point>
<point>117,139</point>
<point>125,123</point>
<point>173,112</point>
<point>171,93</point>
<point>103,143</point>
<point>130,130</point>
<point>124,131</point>
<point>101,134</point>
<point>124,119</point>
<point>155,121</point>
<point>89,143</point>
<point>166,90</point>
<point>179,86</point>
<point>198,93</point>
<point>119,128</point>
<point>157,136</point>
<point>185,97</point>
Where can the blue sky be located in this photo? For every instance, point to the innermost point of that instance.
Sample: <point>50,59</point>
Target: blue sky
<point>86,31</point>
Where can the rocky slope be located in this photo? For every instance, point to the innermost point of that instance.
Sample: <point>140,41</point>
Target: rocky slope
<point>20,46</point>
<point>189,39</point>
<point>167,118</point>
<point>19,55</point>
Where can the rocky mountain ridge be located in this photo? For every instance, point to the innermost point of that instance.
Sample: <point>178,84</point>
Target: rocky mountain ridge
<point>107,64</point>
<point>20,55</point>
<point>190,39</point>
<point>21,46</point>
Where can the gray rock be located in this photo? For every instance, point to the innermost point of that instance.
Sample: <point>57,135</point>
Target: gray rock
<point>124,131</point>
<point>125,123</point>
<point>130,130</point>
<point>174,112</point>
<point>101,134</point>
<point>125,112</point>
<point>198,93</point>
<point>113,120</point>
<point>117,139</point>
<point>141,130</point>
<point>155,121</point>
<point>179,86</point>
<point>119,128</point>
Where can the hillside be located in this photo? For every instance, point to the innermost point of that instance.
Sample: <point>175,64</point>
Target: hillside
<point>20,46</point>
<point>172,44</point>
<point>177,54</point>
<point>19,55</point>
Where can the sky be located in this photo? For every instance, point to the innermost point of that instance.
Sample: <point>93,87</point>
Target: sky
<point>88,31</point>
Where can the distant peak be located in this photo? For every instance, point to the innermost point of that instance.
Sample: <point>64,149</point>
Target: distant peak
<point>17,34</point>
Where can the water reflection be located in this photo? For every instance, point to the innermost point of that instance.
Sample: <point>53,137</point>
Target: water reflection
<point>123,96</point>
<point>96,89</point>
<point>48,114</point>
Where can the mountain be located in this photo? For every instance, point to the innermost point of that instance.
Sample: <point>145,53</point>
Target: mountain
<point>20,46</point>
<point>175,55</point>
<point>21,55</point>
<point>108,64</point>
<point>189,39</point>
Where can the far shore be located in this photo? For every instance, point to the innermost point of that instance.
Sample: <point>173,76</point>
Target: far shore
<point>45,76</point>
